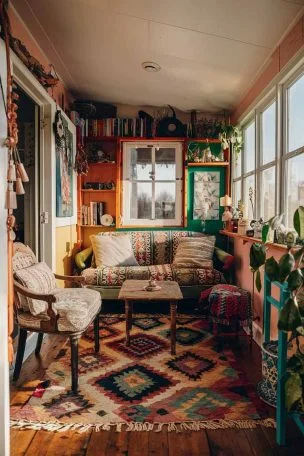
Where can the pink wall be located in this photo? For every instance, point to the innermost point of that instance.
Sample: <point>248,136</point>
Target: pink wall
<point>244,279</point>
<point>290,45</point>
<point>20,31</point>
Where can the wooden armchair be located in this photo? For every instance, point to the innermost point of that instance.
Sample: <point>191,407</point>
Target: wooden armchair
<point>42,307</point>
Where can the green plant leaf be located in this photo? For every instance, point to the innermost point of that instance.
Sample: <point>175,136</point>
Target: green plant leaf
<point>286,265</point>
<point>293,390</point>
<point>295,279</point>
<point>290,317</point>
<point>298,221</point>
<point>272,269</point>
<point>258,282</point>
<point>265,231</point>
<point>257,256</point>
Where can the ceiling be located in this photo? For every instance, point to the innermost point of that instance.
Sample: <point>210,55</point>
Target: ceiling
<point>209,50</point>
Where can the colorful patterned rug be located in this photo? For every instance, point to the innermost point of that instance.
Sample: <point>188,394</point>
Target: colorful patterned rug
<point>143,387</point>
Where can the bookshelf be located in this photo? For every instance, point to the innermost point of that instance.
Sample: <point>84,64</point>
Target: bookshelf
<point>94,202</point>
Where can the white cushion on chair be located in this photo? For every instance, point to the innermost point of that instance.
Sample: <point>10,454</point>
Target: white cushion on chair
<point>76,308</point>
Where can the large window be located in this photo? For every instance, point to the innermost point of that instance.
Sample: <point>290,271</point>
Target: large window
<point>152,184</point>
<point>271,164</point>
<point>293,160</point>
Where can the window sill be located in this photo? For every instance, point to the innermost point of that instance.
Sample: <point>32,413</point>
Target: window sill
<point>246,239</point>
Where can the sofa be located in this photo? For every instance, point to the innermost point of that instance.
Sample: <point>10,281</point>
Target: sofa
<point>154,252</point>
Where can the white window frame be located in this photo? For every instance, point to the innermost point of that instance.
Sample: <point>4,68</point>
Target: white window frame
<point>286,156</point>
<point>127,221</point>
<point>256,117</point>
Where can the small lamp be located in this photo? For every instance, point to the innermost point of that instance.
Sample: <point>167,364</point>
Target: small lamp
<point>226,202</point>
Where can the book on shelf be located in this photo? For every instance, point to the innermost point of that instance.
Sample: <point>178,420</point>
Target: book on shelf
<point>92,213</point>
<point>116,127</point>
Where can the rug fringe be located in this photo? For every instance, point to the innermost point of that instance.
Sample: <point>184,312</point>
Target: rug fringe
<point>56,426</point>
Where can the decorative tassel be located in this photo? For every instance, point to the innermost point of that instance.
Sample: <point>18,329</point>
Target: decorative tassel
<point>11,172</point>
<point>19,186</point>
<point>22,173</point>
<point>11,199</point>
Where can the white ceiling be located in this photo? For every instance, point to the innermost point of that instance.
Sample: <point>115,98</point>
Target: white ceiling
<point>209,50</point>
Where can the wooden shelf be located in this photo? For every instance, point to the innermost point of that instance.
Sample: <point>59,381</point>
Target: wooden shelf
<point>87,190</point>
<point>208,163</point>
<point>100,227</point>
<point>102,163</point>
<point>246,239</point>
<point>156,138</point>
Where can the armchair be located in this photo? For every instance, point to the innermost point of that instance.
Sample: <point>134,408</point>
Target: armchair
<point>42,307</point>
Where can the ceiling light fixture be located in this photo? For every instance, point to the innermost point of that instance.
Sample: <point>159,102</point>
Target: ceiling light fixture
<point>152,67</point>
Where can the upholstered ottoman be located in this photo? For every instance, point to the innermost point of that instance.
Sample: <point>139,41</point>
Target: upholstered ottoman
<point>230,306</point>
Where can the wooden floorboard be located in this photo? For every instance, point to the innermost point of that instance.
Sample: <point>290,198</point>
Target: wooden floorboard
<point>255,442</point>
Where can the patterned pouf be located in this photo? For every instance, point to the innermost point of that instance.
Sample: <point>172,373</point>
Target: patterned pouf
<point>230,305</point>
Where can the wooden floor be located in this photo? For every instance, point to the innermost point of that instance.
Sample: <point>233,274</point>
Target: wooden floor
<point>258,442</point>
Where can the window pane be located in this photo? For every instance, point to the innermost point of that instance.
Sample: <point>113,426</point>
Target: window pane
<point>237,165</point>
<point>165,167</point>
<point>249,148</point>
<point>141,200</point>
<point>165,200</point>
<point>249,187</point>
<point>141,163</point>
<point>295,115</point>
<point>269,134</point>
<point>268,194</point>
<point>295,187</point>
<point>237,193</point>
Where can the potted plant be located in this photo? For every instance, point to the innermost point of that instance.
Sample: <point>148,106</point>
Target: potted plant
<point>289,269</point>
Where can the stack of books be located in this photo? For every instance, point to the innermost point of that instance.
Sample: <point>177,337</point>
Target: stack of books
<point>116,127</point>
<point>91,215</point>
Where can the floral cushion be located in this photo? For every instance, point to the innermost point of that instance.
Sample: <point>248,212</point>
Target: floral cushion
<point>23,257</point>
<point>114,276</point>
<point>76,309</point>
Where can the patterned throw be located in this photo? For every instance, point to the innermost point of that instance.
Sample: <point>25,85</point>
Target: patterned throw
<point>143,387</point>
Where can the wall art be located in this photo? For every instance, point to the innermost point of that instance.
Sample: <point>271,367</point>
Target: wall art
<point>206,195</point>
<point>64,167</point>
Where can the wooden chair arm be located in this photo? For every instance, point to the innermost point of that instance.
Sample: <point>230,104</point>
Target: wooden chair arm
<point>49,298</point>
<point>75,279</point>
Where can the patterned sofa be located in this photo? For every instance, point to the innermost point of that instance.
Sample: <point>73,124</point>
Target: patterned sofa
<point>154,252</point>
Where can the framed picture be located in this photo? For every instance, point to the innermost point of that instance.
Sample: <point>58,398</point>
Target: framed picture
<point>64,167</point>
<point>206,195</point>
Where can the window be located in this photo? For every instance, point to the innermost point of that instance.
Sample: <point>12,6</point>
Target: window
<point>293,160</point>
<point>255,184</point>
<point>152,184</point>
<point>272,160</point>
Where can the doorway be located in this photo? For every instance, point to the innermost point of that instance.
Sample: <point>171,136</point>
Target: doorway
<point>27,213</point>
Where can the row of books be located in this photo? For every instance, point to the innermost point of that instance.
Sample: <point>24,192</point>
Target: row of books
<point>91,215</point>
<point>116,127</point>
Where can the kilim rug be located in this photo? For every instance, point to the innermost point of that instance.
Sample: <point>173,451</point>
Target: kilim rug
<point>143,387</point>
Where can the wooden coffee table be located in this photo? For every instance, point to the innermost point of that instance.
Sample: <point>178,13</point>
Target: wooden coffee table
<point>133,290</point>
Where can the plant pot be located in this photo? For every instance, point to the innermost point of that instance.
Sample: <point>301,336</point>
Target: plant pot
<point>267,388</point>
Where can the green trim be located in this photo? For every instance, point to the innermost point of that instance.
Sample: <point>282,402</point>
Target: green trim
<point>212,226</point>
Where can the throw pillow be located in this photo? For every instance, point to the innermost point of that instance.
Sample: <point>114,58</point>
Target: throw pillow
<point>38,278</point>
<point>113,250</point>
<point>195,252</point>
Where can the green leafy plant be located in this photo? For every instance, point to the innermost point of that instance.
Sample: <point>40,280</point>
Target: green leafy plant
<point>289,269</point>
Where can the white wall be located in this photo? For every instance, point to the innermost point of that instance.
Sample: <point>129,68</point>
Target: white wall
<point>4,375</point>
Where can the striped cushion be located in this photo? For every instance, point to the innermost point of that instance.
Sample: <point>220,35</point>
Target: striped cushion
<point>195,252</point>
